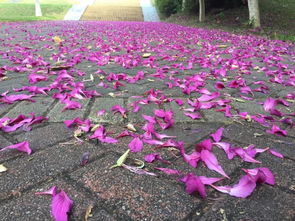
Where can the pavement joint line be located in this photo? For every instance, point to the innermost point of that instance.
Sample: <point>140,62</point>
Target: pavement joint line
<point>51,106</point>
<point>10,139</point>
<point>88,108</point>
<point>11,106</point>
<point>40,150</point>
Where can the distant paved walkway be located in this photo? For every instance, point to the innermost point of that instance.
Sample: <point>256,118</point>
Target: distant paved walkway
<point>149,11</point>
<point>114,10</point>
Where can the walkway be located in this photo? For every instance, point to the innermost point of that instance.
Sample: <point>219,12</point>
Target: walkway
<point>190,103</point>
<point>114,10</point>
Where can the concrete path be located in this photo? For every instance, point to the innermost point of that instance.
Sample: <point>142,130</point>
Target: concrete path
<point>149,11</point>
<point>76,11</point>
<point>142,67</point>
<point>114,10</point>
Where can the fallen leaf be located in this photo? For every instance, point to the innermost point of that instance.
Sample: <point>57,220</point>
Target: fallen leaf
<point>2,168</point>
<point>88,212</point>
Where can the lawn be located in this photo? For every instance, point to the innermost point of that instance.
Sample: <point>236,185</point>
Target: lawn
<point>277,19</point>
<point>24,10</point>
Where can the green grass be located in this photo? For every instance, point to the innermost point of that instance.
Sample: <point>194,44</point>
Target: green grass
<point>277,19</point>
<point>24,10</point>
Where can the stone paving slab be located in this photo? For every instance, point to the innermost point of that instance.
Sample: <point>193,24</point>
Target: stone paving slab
<point>56,114</point>
<point>246,135</point>
<point>55,133</point>
<point>106,104</point>
<point>28,171</point>
<point>251,209</point>
<point>137,196</point>
<point>38,207</point>
<point>39,107</point>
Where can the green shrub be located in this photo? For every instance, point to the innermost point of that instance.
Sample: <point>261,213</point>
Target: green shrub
<point>168,7</point>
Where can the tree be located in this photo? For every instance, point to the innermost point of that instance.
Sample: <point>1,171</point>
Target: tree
<point>38,11</point>
<point>183,5</point>
<point>201,10</point>
<point>254,16</point>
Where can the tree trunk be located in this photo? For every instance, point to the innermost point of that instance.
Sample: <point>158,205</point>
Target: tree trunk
<point>254,15</point>
<point>38,11</point>
<point>201,10</point>
<point>183,5</point>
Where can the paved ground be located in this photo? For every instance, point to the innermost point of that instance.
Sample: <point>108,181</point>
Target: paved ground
<point>114,53</point>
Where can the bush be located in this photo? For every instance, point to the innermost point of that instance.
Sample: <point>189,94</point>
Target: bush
<point>168,7</point>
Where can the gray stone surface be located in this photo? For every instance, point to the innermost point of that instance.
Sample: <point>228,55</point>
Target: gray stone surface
<point>57,115</point>
<point>139,196</point>
<point>41,166</point>
<point>54,133</point>
<point>26,107</point>
<point>267,203</point>
<point>106,104</point>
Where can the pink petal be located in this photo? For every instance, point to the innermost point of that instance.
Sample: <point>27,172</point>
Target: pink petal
<point>261,175</point>
<point>60,206</point>
<point>23,147</point>
<point>169,171</point>
<point>16,97</point>
<point>121,110</point>
<point>100,113</point>
<point>276,130</point>
<point>136,145</point>
<point>152,157</point>
<point>243,189</point>
<point>217,135</point>
<point>51,191</point>
<point>108,140</point>
<point>227,149</point>
<point>209,180</point>
<point>277,154</point>
<point>204,145</point>
<point>71,105</point>
<point>193,115</point>
<point>211,162</point>
<point>269,104</point>
<point>194,184</point>
<point>192,159</point>
<point>245,156</point>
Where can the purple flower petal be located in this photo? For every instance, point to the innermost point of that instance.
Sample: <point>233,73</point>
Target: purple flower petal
<point>169,171</point>
<point>204,145</point>
<point>211,162</point>
<point>275,153</point>
<point>193,115</point>
<point>52,191</point>
<point>245,156</point>
<point>152,157</point>
<point>217,135</point>
<point>136,145</point>
<point>23,147</point>
<point>60,206</point>
<point>276,130</point>
<point>243,189</point>
<point>194,184</point>
<point>119,109</point>
<point>269,104</point>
